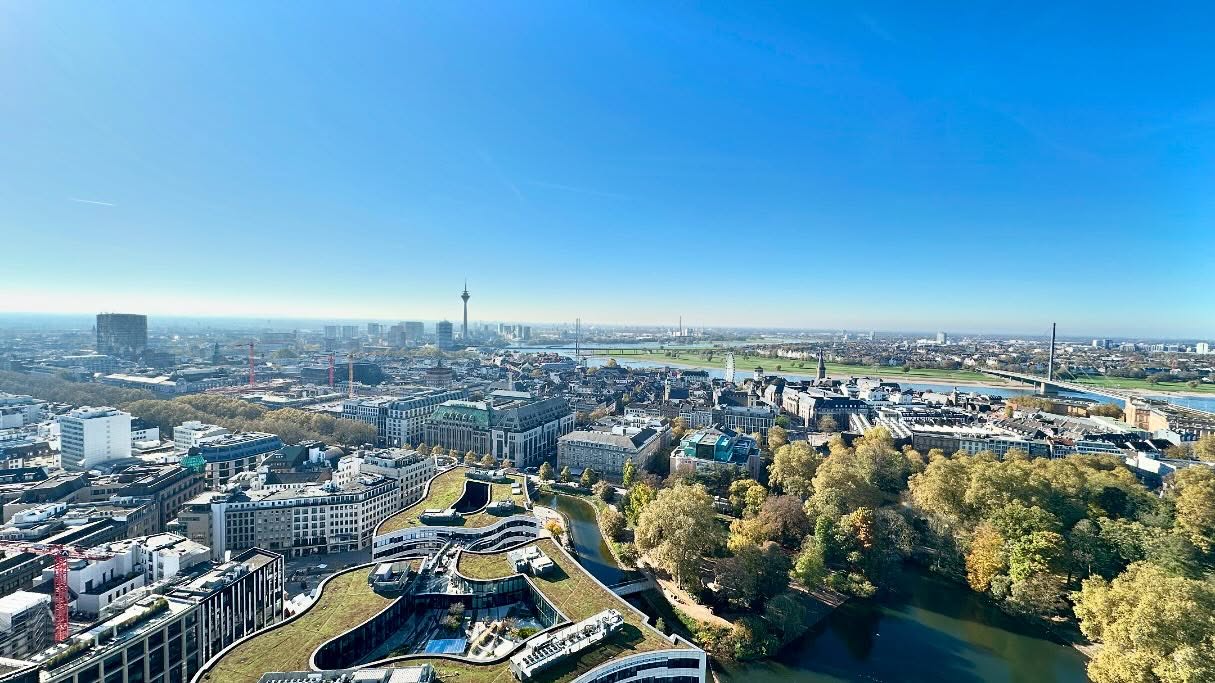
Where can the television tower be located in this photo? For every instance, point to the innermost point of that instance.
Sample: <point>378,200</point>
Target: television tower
<point>464,296</point>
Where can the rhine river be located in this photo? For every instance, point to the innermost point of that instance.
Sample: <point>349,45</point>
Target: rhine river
<point>929,630</point>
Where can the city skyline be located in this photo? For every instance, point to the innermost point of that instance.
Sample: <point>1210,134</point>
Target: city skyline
<point>896,169</point>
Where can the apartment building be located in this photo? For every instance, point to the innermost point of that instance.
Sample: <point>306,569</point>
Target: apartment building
<point>410,469</point>
<point>222,457</point>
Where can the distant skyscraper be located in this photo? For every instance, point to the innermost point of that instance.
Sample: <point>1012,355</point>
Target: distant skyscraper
<point>374,330</point>
<point>730,367</point>
<point>350,331</point>
<point>1201,347</point>
<point>464,296</point>
<point>413,331</point>
<point>331,332</point>
<point>443,335</point>
<point>122,334</point>
<point>942,338</point>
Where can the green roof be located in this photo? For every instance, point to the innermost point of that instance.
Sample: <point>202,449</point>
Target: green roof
<point>445,489</point>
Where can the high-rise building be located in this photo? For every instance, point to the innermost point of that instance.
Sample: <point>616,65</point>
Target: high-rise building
<point>414,331</point>
<point>1202,347</point>
<point>122,334</point>
<point>464,297</point>
<point>443,335</point>
<point>350,331</point>
<point>942,338</point>
<point>374,330</point>
<point>331,332</point>
<point>90,436</point>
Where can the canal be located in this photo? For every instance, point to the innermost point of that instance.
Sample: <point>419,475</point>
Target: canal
<point>928,629</point>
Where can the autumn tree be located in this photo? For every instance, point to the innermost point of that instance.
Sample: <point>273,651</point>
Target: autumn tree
<point>777,437</point>
<point>677,529</point>
<point>1154,627</point>
<point>793,468</point>
<point>639,498</point>
<point>589,478</point>
<point>628,473</point>
<point>565,474</point>
<point>985,560</point>
<point>545,472</point>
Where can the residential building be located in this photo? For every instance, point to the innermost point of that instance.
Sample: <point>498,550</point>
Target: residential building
<point>131,565</point>
<point>18,411</point>
<point>167,487</point>
<point>91,436</point>
<point>121,334</point>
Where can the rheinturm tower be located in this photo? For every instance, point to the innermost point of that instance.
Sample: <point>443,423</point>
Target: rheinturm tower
<point>464,296</point>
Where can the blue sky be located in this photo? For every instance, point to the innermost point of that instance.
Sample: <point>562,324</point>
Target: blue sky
<point>985,167</point>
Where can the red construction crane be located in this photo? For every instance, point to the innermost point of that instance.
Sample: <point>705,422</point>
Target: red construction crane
<point>61,553</point>
<point>252,372</point>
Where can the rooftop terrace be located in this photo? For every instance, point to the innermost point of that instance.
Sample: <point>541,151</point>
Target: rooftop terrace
<point>444,492</point>
<point>348,601</point>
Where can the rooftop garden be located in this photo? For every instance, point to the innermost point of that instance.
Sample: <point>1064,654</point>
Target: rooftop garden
<point>345,602</point>
<point>445,491</point>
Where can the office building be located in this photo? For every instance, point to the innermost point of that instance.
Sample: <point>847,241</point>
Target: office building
<point>1202,348</point>
<point>121,334</point>
<point>187,435</point>
<point>331,332</point>
<point>717,448</point>
<point>18,411</point>
<point>350,332</point>
<point>414,331</point>
<point>407,414</point>
<point>307,520</point>
<point>606,451</point>
<point>510,426</point>
<point>220,458</point>
<point>942,338</point>
<point>410,469</point>
<point>165,487</point>
<point>91,436</point>
<point>374,330</point>
<point>25,624</point>
<point>443,335</point>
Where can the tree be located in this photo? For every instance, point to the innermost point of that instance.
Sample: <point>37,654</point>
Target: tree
<point>1204,448</point>
<point>777,437</point>
<point>828,424</point>
<point>611,523</point>
<point>679,427</point>
<point>589,478</point>
<point>747,495</point>
<point>783,520</point>
<point>628,474</point>
<point>565,474</point>
<point>788,615</point>
<point>487,461</point>
<point>546,472</point>
<point>470,459</point>
<point>782,421</point>
<point>677,529</point>
<point>793,468</point>
<point>1154,627</point>
<point>1195,506</point>
<point>423,448</point>
<point>1040,595</point>
<point>985,560</point>
<point>1039,552</point>
<point>639,498</point>
<point>1106,410</point>
<point>605,491</point>
<point>810,568</point>
<point>754,574</point>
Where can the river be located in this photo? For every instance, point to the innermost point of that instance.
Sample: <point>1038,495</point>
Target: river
<point>929,630</point>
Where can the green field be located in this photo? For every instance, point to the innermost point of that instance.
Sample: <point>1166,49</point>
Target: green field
<point>807,367</point>
<point>1144,385</point>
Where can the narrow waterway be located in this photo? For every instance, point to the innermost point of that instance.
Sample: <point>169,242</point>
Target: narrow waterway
<point>589,545</point>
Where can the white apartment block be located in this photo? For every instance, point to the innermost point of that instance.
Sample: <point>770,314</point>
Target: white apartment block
<point>91,436</point>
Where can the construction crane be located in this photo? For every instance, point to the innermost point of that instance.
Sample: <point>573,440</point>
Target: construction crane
<point>61,554</point>
<point>331,371</point>
<point>350,373</point>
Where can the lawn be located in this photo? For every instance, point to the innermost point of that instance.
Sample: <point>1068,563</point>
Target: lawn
<point>445,490</point>
<point>1144,385</point>
<point>492,566</point>
<point>345,602</point>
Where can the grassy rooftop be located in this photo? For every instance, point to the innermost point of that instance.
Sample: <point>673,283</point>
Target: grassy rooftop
<point>345,602</point>
<point>445,490</point>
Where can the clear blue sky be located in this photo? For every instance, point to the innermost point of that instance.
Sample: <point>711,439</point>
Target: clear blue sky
<point>805,164</point>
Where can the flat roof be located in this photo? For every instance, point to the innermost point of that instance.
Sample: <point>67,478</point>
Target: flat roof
<point>445,489</point>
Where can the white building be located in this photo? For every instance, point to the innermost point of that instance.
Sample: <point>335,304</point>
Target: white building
<point>410,469</point>
<point>606,451</point>
<point>90,436</point>
<point>187,434</point>
<point>25,624</point>
<point>18,411</point>
<point>132,564</point>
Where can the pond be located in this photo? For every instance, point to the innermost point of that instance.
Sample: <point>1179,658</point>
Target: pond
<point>590,547</point>
<point>932,630</point>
